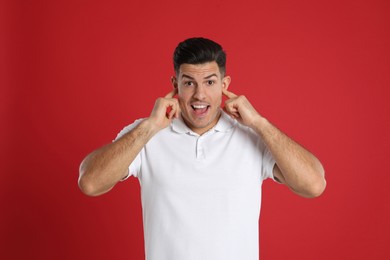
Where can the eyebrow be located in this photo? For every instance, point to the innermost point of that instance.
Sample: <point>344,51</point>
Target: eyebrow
<point>210,76</point>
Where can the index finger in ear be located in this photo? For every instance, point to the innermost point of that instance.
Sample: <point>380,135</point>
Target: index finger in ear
<point>171,94</point>
<point>228,93</point>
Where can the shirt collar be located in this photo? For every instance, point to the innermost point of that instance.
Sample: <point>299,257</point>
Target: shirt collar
<point>224,124</point>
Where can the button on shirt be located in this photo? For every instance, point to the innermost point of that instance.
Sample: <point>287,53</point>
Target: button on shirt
<point>201,195</point>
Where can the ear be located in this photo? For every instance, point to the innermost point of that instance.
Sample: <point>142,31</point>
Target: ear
<point>226,82</point>
<point>174,82</point>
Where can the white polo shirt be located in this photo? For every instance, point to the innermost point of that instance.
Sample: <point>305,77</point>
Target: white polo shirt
<point>201,195</point>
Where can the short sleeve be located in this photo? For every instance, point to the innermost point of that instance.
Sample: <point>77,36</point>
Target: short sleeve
<point>267,164</point>
<point>135,166</point>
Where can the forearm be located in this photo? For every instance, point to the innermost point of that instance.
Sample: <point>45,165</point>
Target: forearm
<point>104,167</point>
<point>296,167</point>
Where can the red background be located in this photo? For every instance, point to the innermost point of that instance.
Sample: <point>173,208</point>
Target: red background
<point>73,73</point>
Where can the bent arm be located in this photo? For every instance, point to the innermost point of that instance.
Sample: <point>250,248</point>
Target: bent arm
<point>295,166</point>
<point>106,166</point>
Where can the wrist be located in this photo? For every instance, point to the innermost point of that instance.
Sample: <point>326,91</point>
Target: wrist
<point>260,124</point>
<point>149,126</point>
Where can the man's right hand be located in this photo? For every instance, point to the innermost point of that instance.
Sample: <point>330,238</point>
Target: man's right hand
<point>165,110</point>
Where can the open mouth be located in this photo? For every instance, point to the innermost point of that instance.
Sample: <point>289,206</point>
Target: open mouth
<point>200,110</point>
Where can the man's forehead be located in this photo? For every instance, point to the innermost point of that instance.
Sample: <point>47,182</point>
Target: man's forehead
<point>199,70</point>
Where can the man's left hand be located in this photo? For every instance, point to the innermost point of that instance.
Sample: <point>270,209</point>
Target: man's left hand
<point>239,108</point>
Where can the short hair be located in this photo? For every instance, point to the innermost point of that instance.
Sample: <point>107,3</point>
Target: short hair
<point>199,50</point>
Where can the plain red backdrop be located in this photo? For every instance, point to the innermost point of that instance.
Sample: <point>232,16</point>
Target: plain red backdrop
<point>74,73</point>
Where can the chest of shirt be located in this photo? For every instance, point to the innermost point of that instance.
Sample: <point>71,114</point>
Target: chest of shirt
<point>214,161</point>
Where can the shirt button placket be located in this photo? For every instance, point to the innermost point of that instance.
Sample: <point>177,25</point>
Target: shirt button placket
<point>199,149</point>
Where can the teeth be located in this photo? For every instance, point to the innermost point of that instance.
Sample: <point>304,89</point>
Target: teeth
<point>199,106</point>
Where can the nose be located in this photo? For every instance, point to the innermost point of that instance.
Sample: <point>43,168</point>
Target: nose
<point>200,93</point>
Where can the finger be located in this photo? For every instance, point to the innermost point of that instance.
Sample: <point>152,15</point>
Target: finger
<point>231,108</point>
<point>177,111</point>
<point>228,93</point>
<point>172,111</point>
<point>233,113</point>
<point>172,93</point>
<point>171,114</point>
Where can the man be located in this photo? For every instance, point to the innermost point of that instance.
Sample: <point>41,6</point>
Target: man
<point>201,167</point>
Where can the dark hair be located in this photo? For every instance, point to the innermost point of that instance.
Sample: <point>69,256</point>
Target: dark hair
<point>198,51</point>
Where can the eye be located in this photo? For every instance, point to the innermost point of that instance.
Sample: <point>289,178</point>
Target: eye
<point>210,82</point>
<point>188,83</point>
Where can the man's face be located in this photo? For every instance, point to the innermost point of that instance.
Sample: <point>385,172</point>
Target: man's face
<point>200,94</point>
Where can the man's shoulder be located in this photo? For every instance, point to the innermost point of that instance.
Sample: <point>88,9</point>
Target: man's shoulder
<point>128,128</point>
